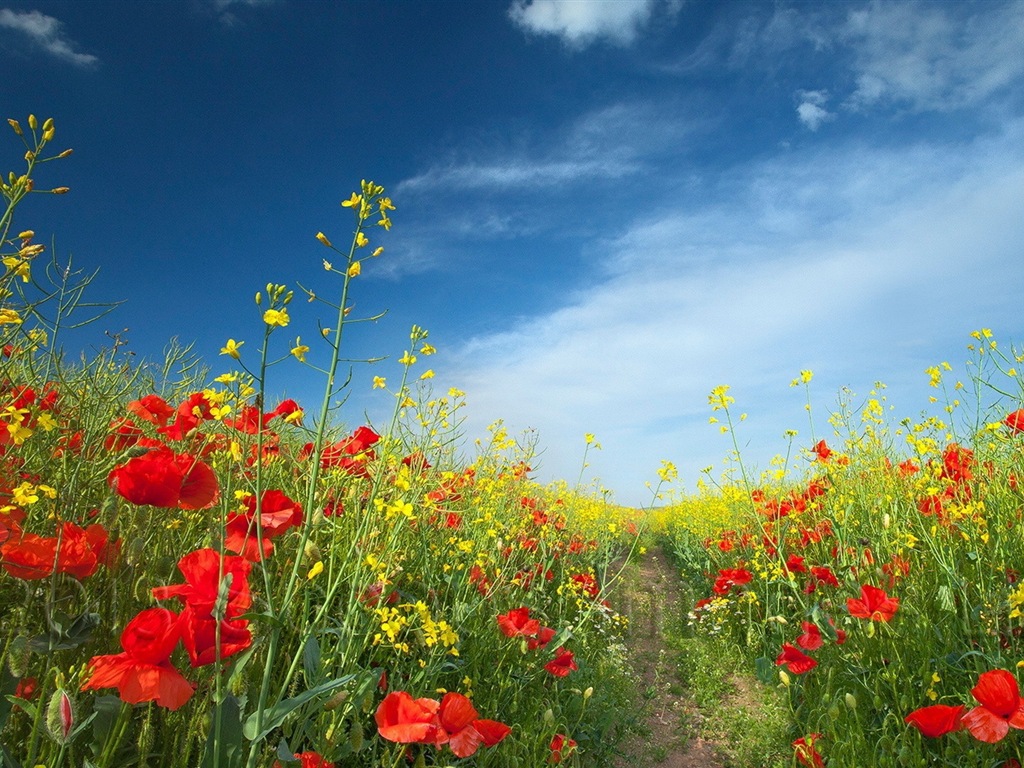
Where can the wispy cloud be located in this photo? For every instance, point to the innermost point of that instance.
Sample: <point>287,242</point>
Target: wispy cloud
<point>847,262</point>
<point>46,33</point>
<point>605,144</point>
<point>582,22</point>
<point>926,56</point>
<point>226,10</point>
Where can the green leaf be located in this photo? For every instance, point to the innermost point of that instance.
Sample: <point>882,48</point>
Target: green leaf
<point>311,660</point>
<point>225,751</point>
<point>277,714</point>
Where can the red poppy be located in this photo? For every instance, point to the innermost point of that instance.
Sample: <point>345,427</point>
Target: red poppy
<point>795,660</point>
<point>811,639</point>
<point>873,604</point>
<point>544,636</point>
<point>1001,706</point>
<point>203,572</point>
<point>144,671</point>
<point>517,623</point>
<point>730,577</point>
<point>562,664</point>
<point>82,550</point>
<point>188,416</point>
<point>561,746</point>
<point>936,720</point>
<point>1015,420</point>
<point>462,730</point>
<point>308,760</point>
<point>162,478</point>
<point>28,556</point>
<point>277,514</point>
<point>200,635</point>
<point>151,408</point>
<point>350,454</point>
<point>958,463</point>
<point>405,720</point>
<point>822,451</point>
<point>806,751</point>
<point>586,583</point>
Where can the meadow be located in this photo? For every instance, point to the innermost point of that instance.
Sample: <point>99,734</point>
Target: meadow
<point>194,573</point>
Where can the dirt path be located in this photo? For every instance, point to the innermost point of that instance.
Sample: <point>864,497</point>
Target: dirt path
<point>652,598</point>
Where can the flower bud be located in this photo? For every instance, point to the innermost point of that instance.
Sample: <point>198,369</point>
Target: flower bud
<point>32,122</point>
<point>60,716</point>
<point>15,125</point>
<point>66,153</point>
<point>60,190</point>
<point>323,239</point>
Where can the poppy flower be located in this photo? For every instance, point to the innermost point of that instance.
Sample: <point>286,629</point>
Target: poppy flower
<point>544,636</point>
<point>203,571</point>
<point>807,753</point>
<point>562,664</point>
<point>350,454</point>
<point>308,760</point>
<point>873,604</point>
<point>1015,420</point>
<point>561,746</point>
<point>462,730</point>
<point>730,577</point>
<point>200,635</point>
<point>936,720</point>
<point>162,478</point>
<point>811,639</point>
<point>517,623</point>
<point>82,550</point>
<point>143,672</point>
<point>1000,707</point>
<point>405,720</point>
<point>151,408</point>
<point>28,556</point>
<point>277,514</point>
<point>822,451</point>
<point>795,660</point>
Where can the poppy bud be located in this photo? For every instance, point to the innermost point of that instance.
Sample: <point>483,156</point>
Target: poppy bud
<point>851,701</point>
<point>60,716</point>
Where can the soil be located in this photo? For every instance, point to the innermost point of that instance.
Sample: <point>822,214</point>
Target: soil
<point>653,603</point>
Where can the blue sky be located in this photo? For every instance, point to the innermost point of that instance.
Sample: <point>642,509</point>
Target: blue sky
<point>605,208</point>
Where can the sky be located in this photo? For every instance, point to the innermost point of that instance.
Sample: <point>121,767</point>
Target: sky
<point>605,208</point>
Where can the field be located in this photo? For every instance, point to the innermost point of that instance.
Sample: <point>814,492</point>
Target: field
<point>192,574</point>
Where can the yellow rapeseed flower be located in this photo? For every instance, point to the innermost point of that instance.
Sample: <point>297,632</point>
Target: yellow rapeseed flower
<point>356,199</point>
<point>379,382</point>
<point>276,317</point>
<point>299,350</point>
<point>323,239</point>
<point>231,348</point>
<point>355,269</point>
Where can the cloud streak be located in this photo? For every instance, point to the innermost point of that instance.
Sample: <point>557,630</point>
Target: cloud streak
<point>46,33</point>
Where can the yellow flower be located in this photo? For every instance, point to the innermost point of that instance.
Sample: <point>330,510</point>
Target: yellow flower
<point>407,359</point>
<point>9,317</point>
<point>379,382</point>
<point>428,374</point>
<point>231,348</point>
<point>299,350</point>
<point>316,570</point>
<point>361,240</point>
<point>276,317</point>
<point>377,251</point>
<point>323,239</point>
<point>426,349</point>
<point>355,269</point>
<point>18,268</point>
<point>352,201</point>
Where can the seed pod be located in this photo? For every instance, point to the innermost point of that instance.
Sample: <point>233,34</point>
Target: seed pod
<point>355,737</point>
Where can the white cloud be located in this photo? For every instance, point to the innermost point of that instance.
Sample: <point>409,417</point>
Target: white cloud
<point>47,33</point>
<point>926,56</point>
<point>225,9</point>
<point>859,263</point>
<point>581,22</point>
<point>811,109</point>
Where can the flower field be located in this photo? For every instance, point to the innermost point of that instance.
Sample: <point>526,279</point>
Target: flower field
<point>193,575</point>
<point>882,590</point>
<point>196,573</point>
